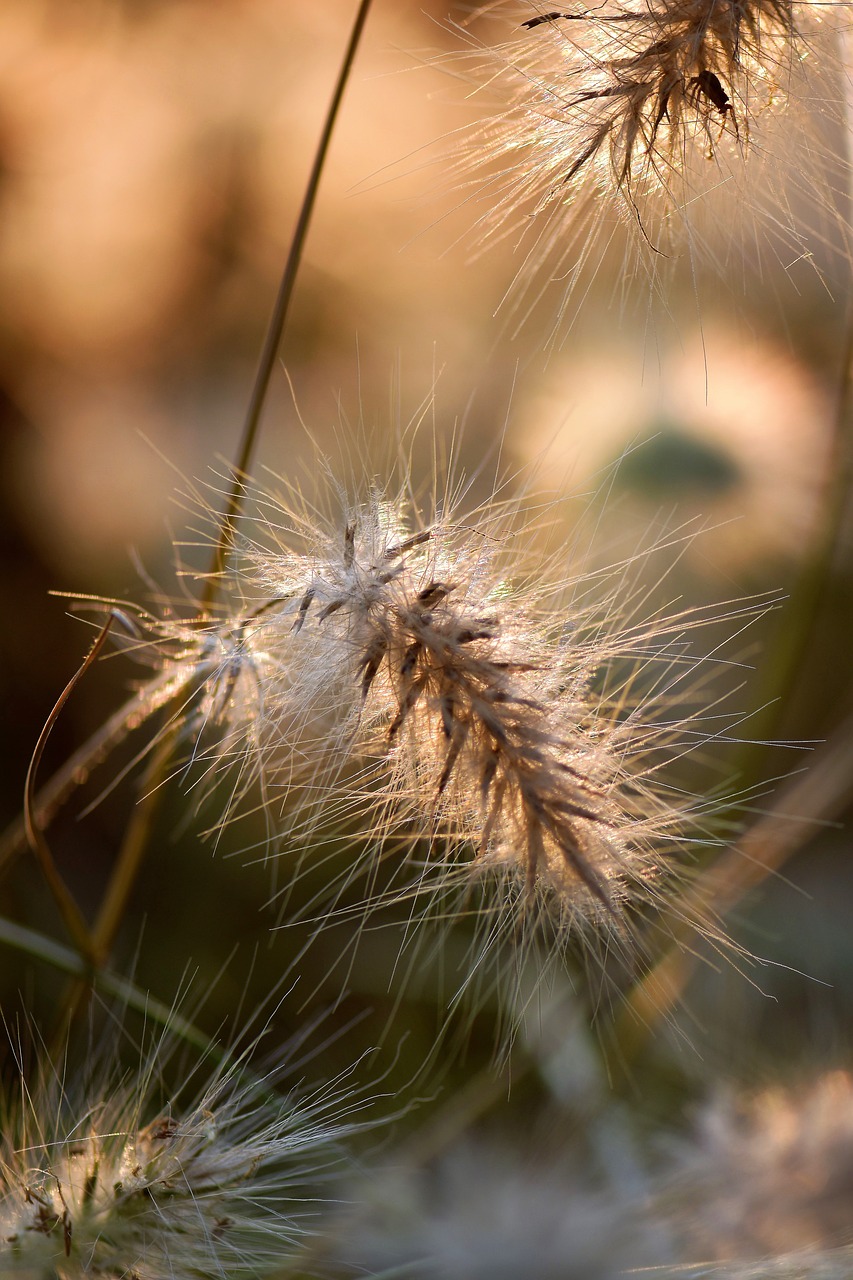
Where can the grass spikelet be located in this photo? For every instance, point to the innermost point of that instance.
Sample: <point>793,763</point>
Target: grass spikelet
<point>683,121</point>
<point>107,1172</point>
<point>470,713</point>
<point>445,676</point>
<point>440,710</point>
<point>660,74</point>
<point>212,671</point>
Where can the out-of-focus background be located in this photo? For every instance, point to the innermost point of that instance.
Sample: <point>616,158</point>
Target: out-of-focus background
<point>152,161</point>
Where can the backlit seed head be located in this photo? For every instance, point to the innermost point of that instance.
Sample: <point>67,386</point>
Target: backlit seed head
<point>118,1179</point>
<point>491,728</point>
<point>689,123</point>
<point>501,721</point>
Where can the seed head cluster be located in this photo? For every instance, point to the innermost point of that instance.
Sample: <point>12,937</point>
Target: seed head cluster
<point>661,116</point>
<point>117,1181</point>
<point>669,71</point>
<point>425,684</point>
<point>453,687</point>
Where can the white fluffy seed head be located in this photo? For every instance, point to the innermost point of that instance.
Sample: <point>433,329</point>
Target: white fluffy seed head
<point>120,1179</point>
<point>434,684</point>
<point>670,127</point>
<point>445,677</point>
<point>492,728</point>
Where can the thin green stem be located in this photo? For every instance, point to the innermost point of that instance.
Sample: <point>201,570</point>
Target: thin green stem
<point>108,983</point>
<point>278,319</point>
<point>67,961</point>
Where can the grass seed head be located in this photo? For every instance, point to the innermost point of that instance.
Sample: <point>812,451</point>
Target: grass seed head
<point>489,722</point>
<point>710,124</point>
<point>117,1178</point>
<point>490,728</point>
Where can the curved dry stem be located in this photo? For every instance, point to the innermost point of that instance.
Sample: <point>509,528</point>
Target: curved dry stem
<point>69,910</point>
<point>50,797</point>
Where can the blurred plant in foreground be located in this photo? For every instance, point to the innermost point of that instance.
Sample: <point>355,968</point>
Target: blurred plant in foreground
<point>771,1173</point>
<point>760,1190</point>
<point>111,1172</point>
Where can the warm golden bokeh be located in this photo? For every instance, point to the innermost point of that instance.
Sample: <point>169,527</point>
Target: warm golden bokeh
<point>152,162</point>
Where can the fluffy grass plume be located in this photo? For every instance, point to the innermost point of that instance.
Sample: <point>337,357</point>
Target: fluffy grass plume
<point>441,709</point>
<point>110,1172</point>
<point>711,128</point>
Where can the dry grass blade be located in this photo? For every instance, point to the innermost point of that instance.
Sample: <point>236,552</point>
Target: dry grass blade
<point>818,795</point>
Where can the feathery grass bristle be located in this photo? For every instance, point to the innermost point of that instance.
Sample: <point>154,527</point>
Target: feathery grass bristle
<point>440,709</point>
<point>686,122</point>
<point>476,711</point>
<point>105,1172</point>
